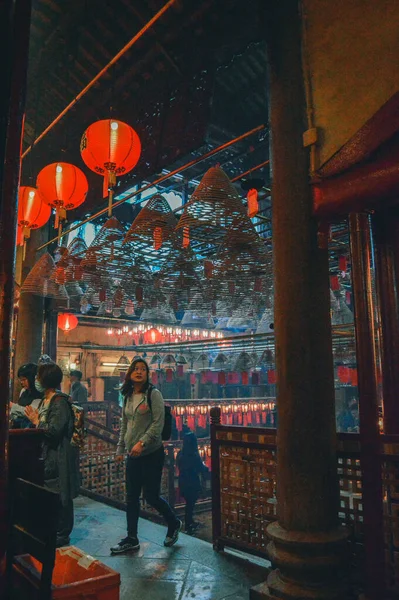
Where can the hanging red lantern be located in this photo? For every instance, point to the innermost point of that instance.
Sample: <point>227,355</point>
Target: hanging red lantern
<point>62,186</point>
<point>67,322</point>
<point>169,375</point>
<point>244,378</point>
<point>110,148</point>
<point>33,212</point>
<point>253,204</point>
<point>152,336</point>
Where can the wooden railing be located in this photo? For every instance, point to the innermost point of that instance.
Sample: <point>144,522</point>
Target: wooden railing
<point>244,502</point>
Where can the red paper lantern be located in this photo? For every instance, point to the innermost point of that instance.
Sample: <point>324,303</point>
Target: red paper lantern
<point>152,336</point>
<point>67,322</point>
<point>110,148</point>
<point>62,186</point>
<point>32,211</point>
<point>253,204</point>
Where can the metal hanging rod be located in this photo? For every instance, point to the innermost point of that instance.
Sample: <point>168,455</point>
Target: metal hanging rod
<point>114,60</point>
<point>158,181</point>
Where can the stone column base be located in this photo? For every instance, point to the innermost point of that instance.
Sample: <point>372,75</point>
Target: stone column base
<point>308,566</point>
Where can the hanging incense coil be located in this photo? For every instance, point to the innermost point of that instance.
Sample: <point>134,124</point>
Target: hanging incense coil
<point>40,280</point>
<point>211,210</point>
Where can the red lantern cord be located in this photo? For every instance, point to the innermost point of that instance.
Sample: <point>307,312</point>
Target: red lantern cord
<point>253,204</point>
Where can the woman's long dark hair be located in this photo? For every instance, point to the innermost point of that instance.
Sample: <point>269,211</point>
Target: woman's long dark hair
<point>127,387</point>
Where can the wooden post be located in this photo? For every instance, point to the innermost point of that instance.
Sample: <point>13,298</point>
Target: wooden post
<point>386,230</point>
<point>14,42</point>
<point>215,416</point>
<point>368,406</point>
<point>308,546</point>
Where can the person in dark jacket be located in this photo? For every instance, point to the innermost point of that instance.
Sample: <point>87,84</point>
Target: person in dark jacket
<point>29,393</point>
<point>78,390</point>
<point>190,468</point>
<point>55,416</point>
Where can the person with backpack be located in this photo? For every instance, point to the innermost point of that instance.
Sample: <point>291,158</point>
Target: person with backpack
<point>55,416</point>
<point>190,467</point>
<point>141,433</point>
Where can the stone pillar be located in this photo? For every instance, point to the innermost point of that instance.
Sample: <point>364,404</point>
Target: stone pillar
<point>29,333</point>
<point>14,41</point>
<point>386,232</point>
<point>308,548</point>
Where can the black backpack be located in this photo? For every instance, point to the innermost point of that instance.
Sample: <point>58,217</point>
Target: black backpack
<point>167,427</point>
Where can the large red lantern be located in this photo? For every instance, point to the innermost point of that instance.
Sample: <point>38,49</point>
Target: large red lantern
<point>62,186</point>
<point>67,322</point>
<point>110,148</point>
<point>32,212</point>
<point>152,336</point>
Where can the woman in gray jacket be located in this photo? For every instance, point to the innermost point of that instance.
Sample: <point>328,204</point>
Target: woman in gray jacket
<point>141,439</point>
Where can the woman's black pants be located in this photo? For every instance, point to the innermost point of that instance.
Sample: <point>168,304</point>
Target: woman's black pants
<point>145,472</point>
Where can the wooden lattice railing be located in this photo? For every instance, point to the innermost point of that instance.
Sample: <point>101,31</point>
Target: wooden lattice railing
<point>244,502</point>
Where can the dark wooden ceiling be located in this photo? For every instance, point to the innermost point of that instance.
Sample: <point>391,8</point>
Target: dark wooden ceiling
<point>195,80</point>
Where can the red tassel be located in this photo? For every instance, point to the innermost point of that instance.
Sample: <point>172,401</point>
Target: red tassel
<point>245,420</point>
<point>257,418</point>
<point>139,293</point>
<point>271,377</point>
<point>179,423</point>
<point>208,269</point>
<point>222,378</point>
<point>186,236</point>
<point>193,379</point>
<point>154,378</point>
<point>354,378</point>
<point>208,462</point>
<point>249,417</point>
<point>157,235</point>
<point>344,374</point>
<point>253,204</point>
<point>105,184</point>
<point>204,377</point>
<point>264,417</point>
<point>239,418</point>
<point>258,284</point>
<point>191,422</point>
<point>169,375</point>
<point>244,378</point>
<point>348,298</point>
<point>342,264</point>
<point>334,283</point>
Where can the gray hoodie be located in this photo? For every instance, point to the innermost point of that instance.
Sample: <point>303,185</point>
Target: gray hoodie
<point>140,423</point>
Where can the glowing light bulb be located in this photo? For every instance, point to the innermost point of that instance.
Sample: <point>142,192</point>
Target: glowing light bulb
<point>58,169</point>
<point>114,125</point>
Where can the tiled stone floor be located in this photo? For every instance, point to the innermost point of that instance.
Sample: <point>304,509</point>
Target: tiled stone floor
<point>190,570</point>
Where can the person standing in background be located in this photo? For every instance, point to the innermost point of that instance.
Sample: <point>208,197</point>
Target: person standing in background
<point>190,467</point>
<point>29,394</point>
<point>78,390</point>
